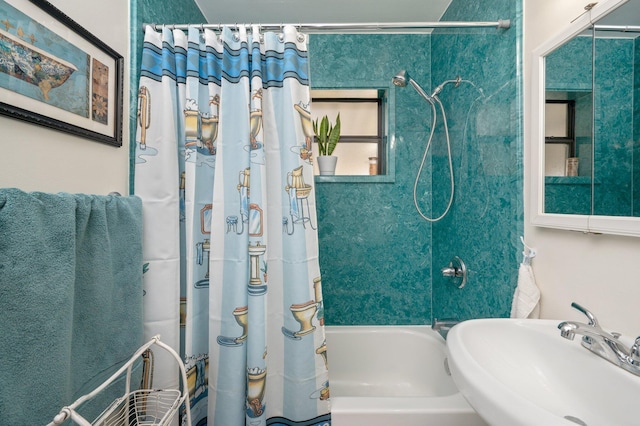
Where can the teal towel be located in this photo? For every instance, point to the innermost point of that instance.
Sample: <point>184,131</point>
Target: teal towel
<point>70,297</point>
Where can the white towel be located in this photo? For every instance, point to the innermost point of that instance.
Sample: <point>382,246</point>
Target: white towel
<point>527,294</point>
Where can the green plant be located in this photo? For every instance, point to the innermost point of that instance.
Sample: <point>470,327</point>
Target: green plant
<point>327,134</point>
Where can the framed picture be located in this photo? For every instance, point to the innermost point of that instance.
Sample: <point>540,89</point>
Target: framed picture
<point>54,73</point>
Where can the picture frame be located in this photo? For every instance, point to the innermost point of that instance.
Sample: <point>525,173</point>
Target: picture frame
<point>55,73</point>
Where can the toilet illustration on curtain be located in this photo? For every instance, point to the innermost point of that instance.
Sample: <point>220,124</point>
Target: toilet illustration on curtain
<point>304,313</point>
<point>256,384</point>
<point>241,316</point>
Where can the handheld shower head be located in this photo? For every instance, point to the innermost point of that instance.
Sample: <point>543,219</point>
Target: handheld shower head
<point>401,79</point>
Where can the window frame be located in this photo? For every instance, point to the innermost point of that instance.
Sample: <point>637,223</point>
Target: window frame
<point>379,138</point>
<point>386,148</point>
<point>570,139</point>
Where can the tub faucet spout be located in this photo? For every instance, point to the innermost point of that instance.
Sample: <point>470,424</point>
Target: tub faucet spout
<point>443,326</point>
<point>602,343</point>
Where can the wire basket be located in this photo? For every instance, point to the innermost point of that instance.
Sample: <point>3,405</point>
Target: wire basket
<point>142,407</point>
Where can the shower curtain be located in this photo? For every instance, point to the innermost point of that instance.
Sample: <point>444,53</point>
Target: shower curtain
<point>223,167</point>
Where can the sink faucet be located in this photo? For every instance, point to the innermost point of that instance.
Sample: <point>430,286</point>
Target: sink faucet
<point>605,345</point>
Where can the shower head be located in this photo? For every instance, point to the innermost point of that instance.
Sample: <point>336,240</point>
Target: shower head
<point>401,79</point>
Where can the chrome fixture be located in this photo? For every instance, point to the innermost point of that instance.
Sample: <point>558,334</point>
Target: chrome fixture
<point>439,88</point>
<point>457,271</point>
<point>443,326</point>
<point>402,78</point>
<point>605,345</point>
<point>347,28</point>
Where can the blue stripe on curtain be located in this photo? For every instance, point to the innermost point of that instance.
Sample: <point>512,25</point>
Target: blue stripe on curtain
<point>273,67</point>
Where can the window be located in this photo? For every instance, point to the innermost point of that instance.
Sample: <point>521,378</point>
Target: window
<point>560,140</point>
<point>362,149</point>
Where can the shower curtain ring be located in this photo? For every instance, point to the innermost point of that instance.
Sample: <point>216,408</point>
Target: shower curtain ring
<point>300,36</point>
<point>281,35</point>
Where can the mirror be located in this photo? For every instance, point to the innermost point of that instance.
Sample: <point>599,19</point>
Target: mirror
<point>585,122</point>
<point>568,119</point>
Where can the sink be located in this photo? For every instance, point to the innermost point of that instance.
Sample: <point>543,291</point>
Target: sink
<point>522,372</point>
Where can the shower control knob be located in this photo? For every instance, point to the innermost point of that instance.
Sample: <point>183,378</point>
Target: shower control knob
<point>457,271</point>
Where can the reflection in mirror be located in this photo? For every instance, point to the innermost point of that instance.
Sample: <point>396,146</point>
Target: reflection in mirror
<point>593,174</point>
<point>616,97</point>
<point>560,141</point>
<point>568,127</point>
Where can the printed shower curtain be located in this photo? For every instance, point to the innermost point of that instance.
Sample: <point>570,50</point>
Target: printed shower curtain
<point>223,166</point>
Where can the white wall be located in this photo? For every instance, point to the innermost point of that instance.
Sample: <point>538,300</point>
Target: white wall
<point>34,158</point>
<point>600,272</point>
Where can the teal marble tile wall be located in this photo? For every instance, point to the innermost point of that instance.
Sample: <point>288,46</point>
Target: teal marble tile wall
<point>375,251</point>
<point>636,124</point>
<point>153,12</point>
<point>565,66</point>
<point>567,195</point>
<point>380,261</point>
<point>485,222</point>
<point>613,127</point>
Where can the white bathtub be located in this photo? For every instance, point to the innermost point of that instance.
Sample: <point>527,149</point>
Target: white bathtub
<point>392,376</point>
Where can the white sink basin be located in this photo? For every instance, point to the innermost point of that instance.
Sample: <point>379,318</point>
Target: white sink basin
<point>522,372</point>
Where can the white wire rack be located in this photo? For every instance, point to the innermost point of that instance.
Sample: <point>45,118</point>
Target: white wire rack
<point>141,407</point>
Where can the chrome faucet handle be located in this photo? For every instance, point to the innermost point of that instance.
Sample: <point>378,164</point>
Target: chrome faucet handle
<point>634,353</point>
<point>593,321</point>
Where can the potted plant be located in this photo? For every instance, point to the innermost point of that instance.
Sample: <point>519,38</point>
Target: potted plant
<point>327,136</point>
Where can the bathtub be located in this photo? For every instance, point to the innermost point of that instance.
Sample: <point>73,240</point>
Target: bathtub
<point>392,375</point>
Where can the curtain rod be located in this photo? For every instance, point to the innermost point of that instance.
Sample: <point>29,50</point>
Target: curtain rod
<point>351,27</point>
<point>621,28</point>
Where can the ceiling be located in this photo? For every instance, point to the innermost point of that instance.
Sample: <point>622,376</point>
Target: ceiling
<point>320,12</point>
<point>627,14</point>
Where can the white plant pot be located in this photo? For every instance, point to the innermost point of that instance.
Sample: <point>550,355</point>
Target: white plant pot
<point>327,164</point>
